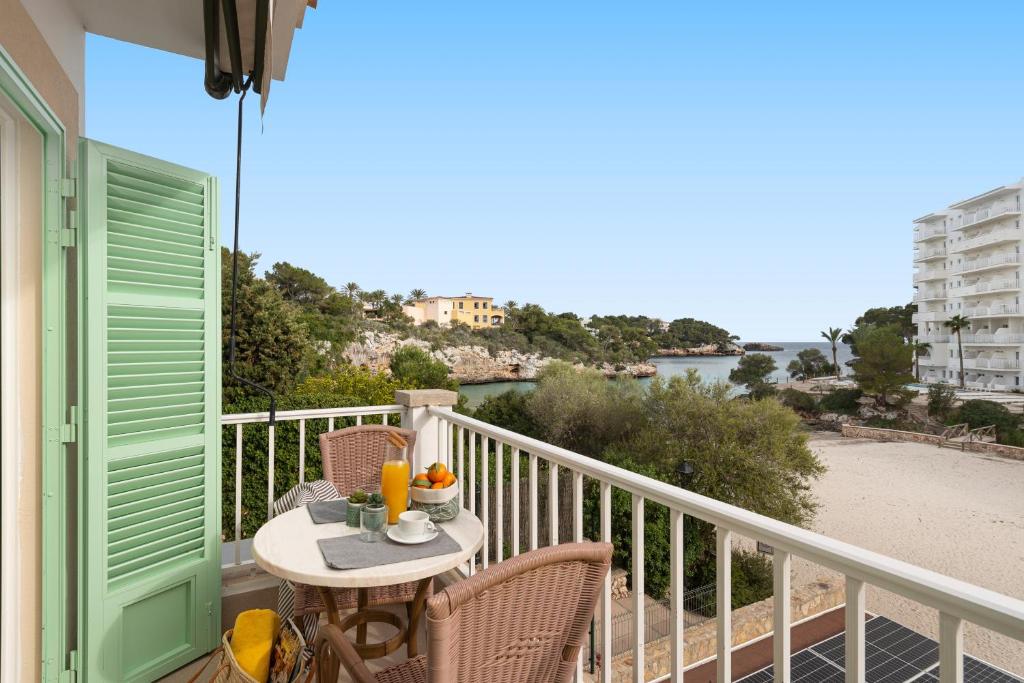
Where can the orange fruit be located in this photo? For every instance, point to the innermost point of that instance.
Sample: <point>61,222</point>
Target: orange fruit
<point>436,472</point>
<point>421,481</point>
<point>449,479</point>
<point>437,485</point>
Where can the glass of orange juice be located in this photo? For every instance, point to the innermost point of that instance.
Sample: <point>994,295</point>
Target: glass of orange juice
<point>394,485</point>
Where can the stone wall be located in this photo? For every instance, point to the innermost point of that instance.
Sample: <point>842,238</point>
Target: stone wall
<point>933,439</point>
<point>748,623</point>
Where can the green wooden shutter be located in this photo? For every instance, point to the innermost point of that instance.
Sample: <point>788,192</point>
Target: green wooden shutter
<point>150,325</point>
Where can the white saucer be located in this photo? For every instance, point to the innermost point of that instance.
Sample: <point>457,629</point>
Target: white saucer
<point>399,538</point>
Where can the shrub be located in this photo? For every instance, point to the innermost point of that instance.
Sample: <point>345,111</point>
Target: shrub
<point>978,413</point>
<point>751,578</point>
<point>414,368</point>
<point>940,400</point>
<point>800,401</point>
<point>841,401</point>
<point>762,390</point>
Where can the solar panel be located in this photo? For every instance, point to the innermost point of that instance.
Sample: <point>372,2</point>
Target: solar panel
<point>892,654</point>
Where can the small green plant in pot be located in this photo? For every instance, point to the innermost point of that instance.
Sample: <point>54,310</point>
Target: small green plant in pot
<point>356,501</point>
<point>374,518</point>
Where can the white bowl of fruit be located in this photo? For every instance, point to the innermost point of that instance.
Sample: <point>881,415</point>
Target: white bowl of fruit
<point>435,486</point>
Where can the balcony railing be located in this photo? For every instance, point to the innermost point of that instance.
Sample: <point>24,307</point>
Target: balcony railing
<point>934,338</point>
<point>928,233</point>
<point>929,316</point>
<point>986,288</point>
<point>926,254</point>
<point>982,241</point>
<point>983,216</point>
<point>468,445</point>
<point>991,363</point>
<point>325,418</point>
<point>989,338</point>
<point>994,310</point>
<point>991,262</point>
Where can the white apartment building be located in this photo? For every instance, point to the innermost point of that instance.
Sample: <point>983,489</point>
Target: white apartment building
<point>967,260</point>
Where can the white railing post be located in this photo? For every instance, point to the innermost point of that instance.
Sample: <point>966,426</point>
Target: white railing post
<point>723,594</point>
<point>781,569</point>
<point>951,649</point>
<point>606,593</point>
<point>640,622</point>
<point>855,591</point>
<point>417,417</point>
<point>677,587</point>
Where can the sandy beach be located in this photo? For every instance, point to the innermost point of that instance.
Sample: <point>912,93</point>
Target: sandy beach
<point>956,513</point>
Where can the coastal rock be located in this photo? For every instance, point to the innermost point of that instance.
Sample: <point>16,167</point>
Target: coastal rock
<point>729,349</point>
<point>472,364</point>
<point>761,346</point>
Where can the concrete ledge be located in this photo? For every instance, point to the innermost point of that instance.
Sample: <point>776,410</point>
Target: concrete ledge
<point>417,398</point>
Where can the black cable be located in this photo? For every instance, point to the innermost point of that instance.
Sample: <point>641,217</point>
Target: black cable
<point>234,269</point>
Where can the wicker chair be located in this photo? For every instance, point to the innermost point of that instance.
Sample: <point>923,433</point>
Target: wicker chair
<point>352,459</point>
<point>520,620</point>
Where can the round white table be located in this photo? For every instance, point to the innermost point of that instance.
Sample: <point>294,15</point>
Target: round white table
<point>286,547</point>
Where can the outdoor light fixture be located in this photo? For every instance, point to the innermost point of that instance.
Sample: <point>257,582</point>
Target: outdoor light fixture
<point>685,470</point>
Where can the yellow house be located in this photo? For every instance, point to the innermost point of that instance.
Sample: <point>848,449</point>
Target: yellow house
<point>477,312</point>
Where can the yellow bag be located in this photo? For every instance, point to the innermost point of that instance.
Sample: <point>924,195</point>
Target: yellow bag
<point>252,641</point>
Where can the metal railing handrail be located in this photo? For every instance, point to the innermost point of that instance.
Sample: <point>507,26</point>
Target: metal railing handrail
<point>308,414</point>
<point>953,597</point>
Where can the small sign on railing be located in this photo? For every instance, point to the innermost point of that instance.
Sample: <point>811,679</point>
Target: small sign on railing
<point>764,548</point>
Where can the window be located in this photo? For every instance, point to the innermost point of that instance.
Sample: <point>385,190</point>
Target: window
<point>476,304</point>
<point>476,318</point>
<point>485,304</point>
<point>460,305</point>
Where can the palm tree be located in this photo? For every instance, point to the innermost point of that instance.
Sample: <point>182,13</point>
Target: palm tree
<point>833,335</point>
<point>955,324</point>
<point>351,289</point>
<point>417,294</point>
<point>920,348</point>
<point>397,299</point>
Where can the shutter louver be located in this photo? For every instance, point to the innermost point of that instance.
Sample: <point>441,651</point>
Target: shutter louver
<point>151,322</point>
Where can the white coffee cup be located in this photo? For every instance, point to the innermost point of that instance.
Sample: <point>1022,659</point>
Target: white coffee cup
<point>414,523</point>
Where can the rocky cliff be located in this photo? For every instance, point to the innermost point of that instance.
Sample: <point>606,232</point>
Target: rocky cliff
<point>472,364</point>
<point>761,346</point>
<point>705,350</point>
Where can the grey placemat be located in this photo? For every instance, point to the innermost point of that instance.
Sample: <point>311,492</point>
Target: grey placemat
<point>324,511</point>
<point>349,552</point>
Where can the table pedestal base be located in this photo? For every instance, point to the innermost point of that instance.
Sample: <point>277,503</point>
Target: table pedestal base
<point>362,616</point>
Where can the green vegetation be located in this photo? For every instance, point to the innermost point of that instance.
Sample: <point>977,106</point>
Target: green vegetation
<point>748,453</point>
<point>841,401</point>
<point>978,413</point>
<point>899,318</point>
<point>940,401</point>
<point>810,363</point>
<point>799,401</point>
<point>882,364</point>
<point>753,371</point>
<point>833,335</point>
<point>955,325</point>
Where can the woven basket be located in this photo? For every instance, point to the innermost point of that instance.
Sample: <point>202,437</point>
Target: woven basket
<point>228,670</point>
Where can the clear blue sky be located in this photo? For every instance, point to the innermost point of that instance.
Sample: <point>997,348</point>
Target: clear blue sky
<point>752,164</point>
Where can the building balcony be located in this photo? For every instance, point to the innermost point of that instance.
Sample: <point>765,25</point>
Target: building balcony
<point>991,239</point>
<point>507,473</point>
<point>981,363</point>
<point>999,338</point>
<point>982,217</point>
<point>932,361</point>
<point>933,254</point>
<point>993,311</point>
<point>929,317</point>
<point>989,263</point>
<point>928,234</point>
<point>987,288</point>
<point>930,276</point>
<point>933,338</point>
<point>930,295</point>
